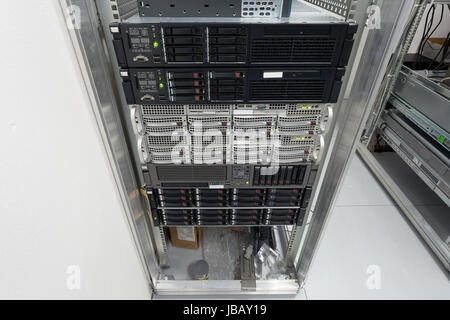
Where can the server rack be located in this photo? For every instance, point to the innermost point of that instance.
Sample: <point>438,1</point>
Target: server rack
<point>405,142</point>
<point>125,131</point>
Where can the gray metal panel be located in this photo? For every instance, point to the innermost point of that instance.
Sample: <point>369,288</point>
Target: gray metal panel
<point>301,12</point>
<point>425,124</point>
<point>423,95</point>
<point>213,8</point>
<point>419,144</point>
<point>340,7</point>
<point>189,8</point>
<point>419,153</point>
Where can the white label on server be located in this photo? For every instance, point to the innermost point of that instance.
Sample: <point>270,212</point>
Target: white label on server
<point>269,75</point>
<point>216,186</point>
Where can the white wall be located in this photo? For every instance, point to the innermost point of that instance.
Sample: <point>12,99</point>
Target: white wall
<point>441,31</point>
<point>58,202</point>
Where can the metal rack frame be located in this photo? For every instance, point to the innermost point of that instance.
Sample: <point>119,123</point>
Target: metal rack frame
<point>102,83</point>
<point>375,125</point>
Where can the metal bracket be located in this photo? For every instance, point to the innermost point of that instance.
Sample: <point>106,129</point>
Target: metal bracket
<point>394,69</point>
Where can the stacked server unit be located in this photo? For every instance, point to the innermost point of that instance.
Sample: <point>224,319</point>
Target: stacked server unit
<point>230,117</point>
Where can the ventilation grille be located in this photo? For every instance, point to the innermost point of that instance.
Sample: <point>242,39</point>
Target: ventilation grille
<point>312,90</point>
<point>167,140</point>
<point>175,121</point>
<point>293,149</point>
<point>301,129</point>
<point>293,50</point>
<point>340,7</point>
<point>209,122</point>
<point>209,108</point>
<point>296,140</point>
<point>203,173</point>
<point>299,120</point>
<point>157,109</point>
<point>123,9</point>
<point>291,158</point>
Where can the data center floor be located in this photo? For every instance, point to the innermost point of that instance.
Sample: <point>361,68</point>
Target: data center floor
<point>367,233</point>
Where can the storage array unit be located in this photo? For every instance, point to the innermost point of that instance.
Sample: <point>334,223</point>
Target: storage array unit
<point>230,116</point>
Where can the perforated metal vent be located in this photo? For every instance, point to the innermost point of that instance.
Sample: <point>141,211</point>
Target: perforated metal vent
<point>123,9</point>
<point>189,8</point>
<point>339,7</point>
<point>158,109</point>
<point>261,9</point>
<point>192,173</point>
<point>312,90</point>
<point>311,49</point>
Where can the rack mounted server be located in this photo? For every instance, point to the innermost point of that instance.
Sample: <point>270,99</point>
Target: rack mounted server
<point>229,206</point>
<point>226,63</point>
<point>230,116</point>
<point>424,103</point>
<point>426,157</point>
<point>146,44</point>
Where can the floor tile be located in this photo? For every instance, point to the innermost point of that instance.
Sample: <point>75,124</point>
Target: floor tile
<point>361,242</point>
<point>360,187</point>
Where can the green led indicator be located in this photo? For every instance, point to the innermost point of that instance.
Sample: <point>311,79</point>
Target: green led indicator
<point>155,44</point>
<point>161,85</point>
<point>441,139</point>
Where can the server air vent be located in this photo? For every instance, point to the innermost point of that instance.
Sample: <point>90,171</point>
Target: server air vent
<point>286,90</point>
<point>299,50</point>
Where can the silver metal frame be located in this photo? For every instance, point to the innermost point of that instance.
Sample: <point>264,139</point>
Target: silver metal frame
<point>439,246</point>
<point>92,61</point>
<point>107,16</point>
<point>362,81</point>
<point>394,68</point>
